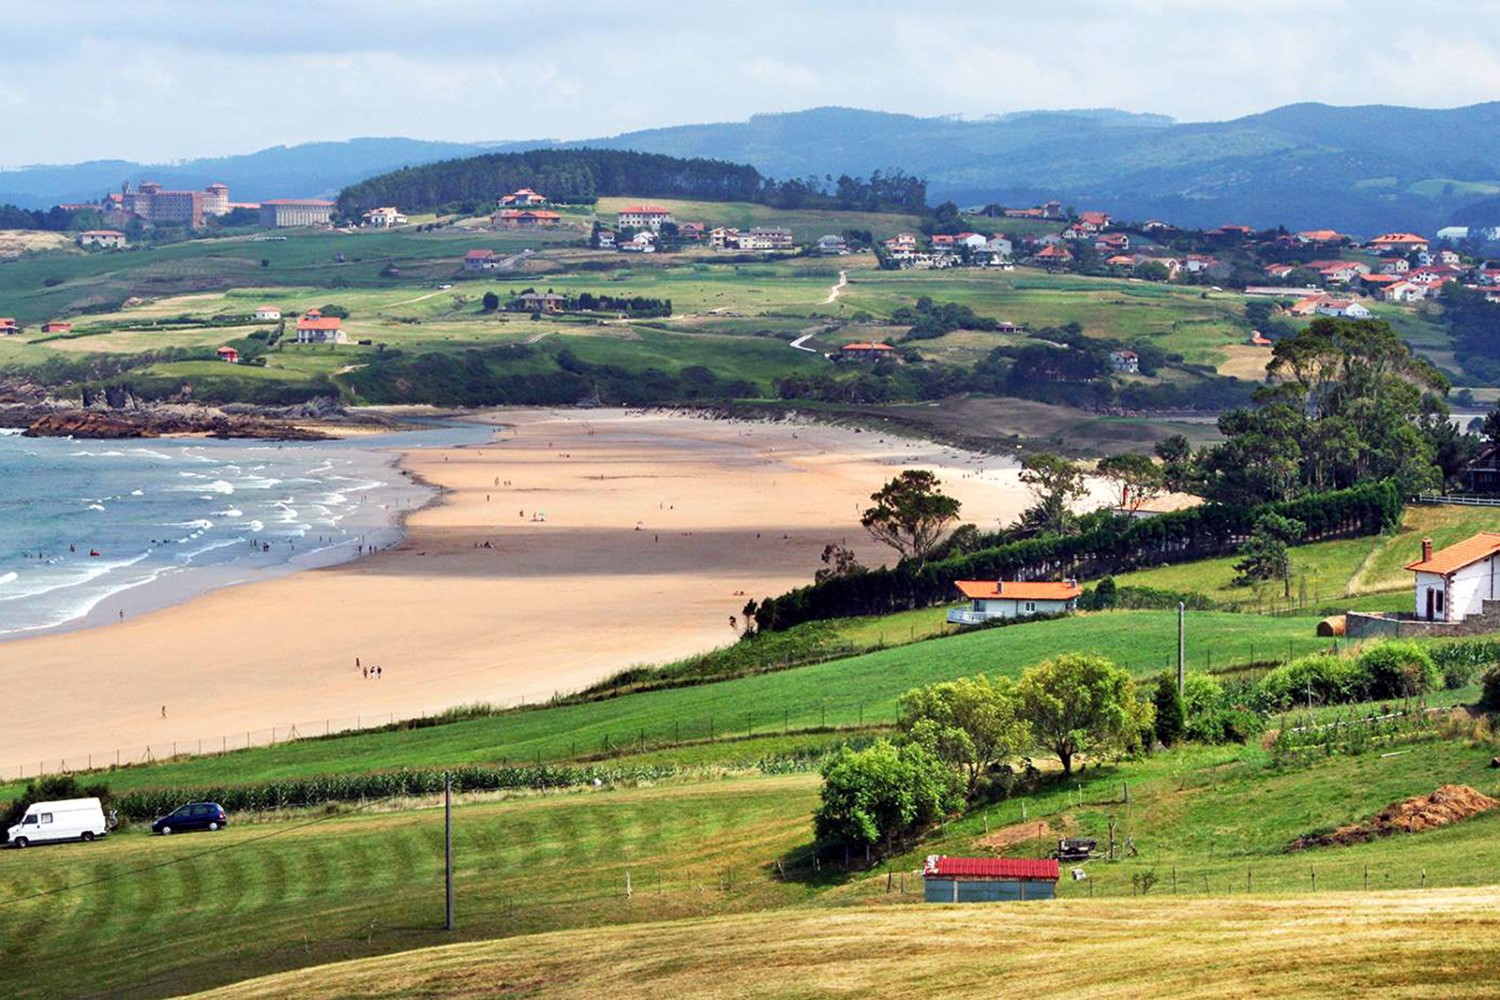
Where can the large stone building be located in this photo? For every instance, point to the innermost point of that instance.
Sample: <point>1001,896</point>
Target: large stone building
<point>283,212</point>
<point>154,204</point>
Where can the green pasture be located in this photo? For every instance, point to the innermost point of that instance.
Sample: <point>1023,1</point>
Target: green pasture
<point>806,224</point>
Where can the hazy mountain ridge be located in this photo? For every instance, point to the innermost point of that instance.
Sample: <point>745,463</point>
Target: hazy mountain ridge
<point>1360,169</point>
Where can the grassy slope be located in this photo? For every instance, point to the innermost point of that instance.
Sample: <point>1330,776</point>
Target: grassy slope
<point>1398,944</point>
<point>848,692</point>
<point>1335,570</point>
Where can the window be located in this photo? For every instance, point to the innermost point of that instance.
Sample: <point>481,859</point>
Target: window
<point>1030,605</point>
<point>46,818</point>
<point>1440,601</point>
<point>29,821</point>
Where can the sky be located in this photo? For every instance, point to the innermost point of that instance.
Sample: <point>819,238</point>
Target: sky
<point>162,80</point>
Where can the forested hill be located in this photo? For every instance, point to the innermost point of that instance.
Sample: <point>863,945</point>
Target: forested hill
<point>564,175</point>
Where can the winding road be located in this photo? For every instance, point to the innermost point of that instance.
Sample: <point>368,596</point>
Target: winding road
<point>833,293</point>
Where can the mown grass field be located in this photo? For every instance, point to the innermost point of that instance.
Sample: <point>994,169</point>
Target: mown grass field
<point>1434,944</point>
<point>163,916</point>
<point>857,691</point>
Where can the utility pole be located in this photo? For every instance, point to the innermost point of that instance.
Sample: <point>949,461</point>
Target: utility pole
<point>1181,651</point>
<point>448,848</point>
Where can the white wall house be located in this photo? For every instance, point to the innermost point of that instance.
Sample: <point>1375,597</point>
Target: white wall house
<point>990,599</point>
<point>1454,583</point>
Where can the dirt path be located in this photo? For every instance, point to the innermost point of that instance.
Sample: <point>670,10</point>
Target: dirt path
<point>833,293</point>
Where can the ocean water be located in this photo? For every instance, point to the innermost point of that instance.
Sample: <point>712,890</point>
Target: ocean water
<point>90,529</point>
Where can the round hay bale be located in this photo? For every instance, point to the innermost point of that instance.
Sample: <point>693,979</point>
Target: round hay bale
<point>1331,626</point>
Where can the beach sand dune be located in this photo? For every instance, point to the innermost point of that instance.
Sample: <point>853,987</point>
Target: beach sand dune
<point>577,544</point>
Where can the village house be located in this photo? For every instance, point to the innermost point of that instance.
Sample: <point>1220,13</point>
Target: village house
<point>642,242</point>
<point>1257,339</point>
<point>1398,243</point>
<point>229,354</point>
<point>109,239</point>
<point>1279,272</point>
<point>988,880</point>
<point>384,217</point>
<point>8,326</point>
<point>1482,475</point>
<point>999,245</point>
<point>1172,264</point>
<point>543,302</point>
<point>1096,221</point>
<point>1051,255</point>
<point>479,260</point>
<point>1125,361</point>
<point>767,238</point>
<point>1401,291</point>
<point>833,246</point>
<point>1453,583</point>
<point>1307,306</point>
<point>693,232</point>
<point>991,599</point>
<point>57,326</point>
<point>267,313</point>
<point>315,328</point>
<point>524,198</point>
<point>1319,237</point>
<point>644,217</point>
<point>1120,260</point>
<point>1113,243</point>
<point>724,238</point>
<point>1393,265</point>
<point>865,351</point>
<point>525,218</point>
<point>1196,263</point>
<point>942,243</point>
<point>1347,308</point>
<point>606,239</point>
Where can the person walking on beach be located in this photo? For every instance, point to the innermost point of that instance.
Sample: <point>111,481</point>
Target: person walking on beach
<point>164,711</point>
<point>364,672</point>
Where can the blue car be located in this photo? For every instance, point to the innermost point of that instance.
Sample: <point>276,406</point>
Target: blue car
<point>193,816</point>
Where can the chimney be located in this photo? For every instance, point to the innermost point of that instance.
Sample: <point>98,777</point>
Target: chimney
<point>1426,549</point>
<point>999,586</point>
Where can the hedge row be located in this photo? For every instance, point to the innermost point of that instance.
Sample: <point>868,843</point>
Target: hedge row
<point>1183,536</point>
<point>149,803</point>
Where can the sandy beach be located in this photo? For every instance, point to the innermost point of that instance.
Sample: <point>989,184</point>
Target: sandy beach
<point>575,544</point>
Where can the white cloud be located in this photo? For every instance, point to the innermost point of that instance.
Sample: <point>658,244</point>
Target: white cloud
<point>165,79</point>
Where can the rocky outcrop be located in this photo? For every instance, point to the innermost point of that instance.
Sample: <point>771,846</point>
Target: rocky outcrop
<point>149,423</point>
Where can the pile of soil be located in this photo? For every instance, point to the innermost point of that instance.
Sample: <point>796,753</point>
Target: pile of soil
<point>1448,804</point>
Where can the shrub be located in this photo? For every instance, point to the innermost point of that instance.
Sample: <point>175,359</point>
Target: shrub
<point>1397,669</point>
<point>1171,711</point>
<point>1201,693</point>
<point>1461,660</point>
<point>1489,689</point>
<point>1321,678</point>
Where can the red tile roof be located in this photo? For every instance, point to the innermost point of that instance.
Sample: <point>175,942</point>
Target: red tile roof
<point>645,210</point>
<point>318,323</point>
<point>1029,868</point>
<point>1021,590</point>
<point>862,346</point>
<point>479,254</point>
<point>1455,557</point>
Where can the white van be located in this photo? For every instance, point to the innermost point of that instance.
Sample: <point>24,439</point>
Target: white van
<point>70,819</point>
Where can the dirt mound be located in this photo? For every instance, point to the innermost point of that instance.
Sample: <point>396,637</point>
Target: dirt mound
<point>1020,833</point>
<point>1448,804</point>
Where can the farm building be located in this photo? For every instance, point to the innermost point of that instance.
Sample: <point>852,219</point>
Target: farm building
<point>525,218</point>
<point>384,217</point>
<point>109,238</point>
<point>988,880</point>
<point>8,326</point>
<point>479,260</point>
<point>57,326</point>
<point>991,599</point>
<point>229,354</point>
<point>1455,582</point>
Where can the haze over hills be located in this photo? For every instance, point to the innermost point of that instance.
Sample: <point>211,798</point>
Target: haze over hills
<point>1361,169</point>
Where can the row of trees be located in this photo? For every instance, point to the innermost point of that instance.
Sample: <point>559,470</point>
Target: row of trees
<point>958,737</point>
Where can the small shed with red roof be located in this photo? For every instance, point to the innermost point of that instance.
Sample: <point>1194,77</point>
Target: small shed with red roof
<point>988,880</point>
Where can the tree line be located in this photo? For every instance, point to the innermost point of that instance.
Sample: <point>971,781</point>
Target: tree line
<point>582,176</point>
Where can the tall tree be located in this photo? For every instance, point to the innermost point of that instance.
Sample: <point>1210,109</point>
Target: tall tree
<point>1138,479</point>
<point>1264,555</point>
<point>910,514</point>
<point>971,723</point>
<point>1082,705</point>
<point>1055,483</point>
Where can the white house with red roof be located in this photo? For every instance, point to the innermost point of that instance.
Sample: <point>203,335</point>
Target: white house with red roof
<point>1453,583</point>
<point>1346,308</point>
<point>8,326</point>
<point>992,599</point>
<point>865,351</point>
<point>479,260</point>
<point>315,328</point>
<point>644,217</point>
